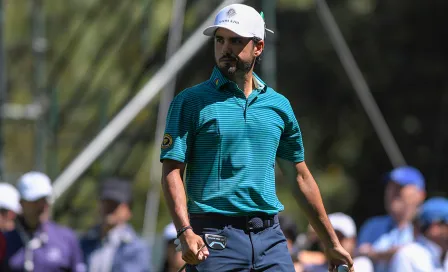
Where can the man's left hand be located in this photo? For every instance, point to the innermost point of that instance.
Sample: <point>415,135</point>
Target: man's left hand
<point>337,256</point>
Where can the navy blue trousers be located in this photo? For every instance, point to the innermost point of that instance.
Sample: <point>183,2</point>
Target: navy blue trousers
<point>263,250</point>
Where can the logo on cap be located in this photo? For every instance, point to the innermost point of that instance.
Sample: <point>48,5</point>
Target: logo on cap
<point>167,141</point>
<point>231,12</point>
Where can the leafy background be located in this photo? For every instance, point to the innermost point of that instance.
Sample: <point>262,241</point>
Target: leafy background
<point>99,53</point>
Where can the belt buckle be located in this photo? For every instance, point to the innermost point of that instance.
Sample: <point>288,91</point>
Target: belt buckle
<point>249,223</point>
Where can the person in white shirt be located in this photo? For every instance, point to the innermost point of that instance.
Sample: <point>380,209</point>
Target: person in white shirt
<point>345,229</point>
<point>428,253</point>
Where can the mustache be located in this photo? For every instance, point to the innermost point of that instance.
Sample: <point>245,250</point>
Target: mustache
<point>229,56</point>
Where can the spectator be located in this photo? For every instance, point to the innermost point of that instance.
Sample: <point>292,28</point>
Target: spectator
<point>173,259</point>
<point>289,229</point>
<point>38,244</point>
<point>429,251</point>
<point>346,231</point>
<point>113,245</point>
<point>381,236</point>
<point>309,249</point>
<point>9,208</point>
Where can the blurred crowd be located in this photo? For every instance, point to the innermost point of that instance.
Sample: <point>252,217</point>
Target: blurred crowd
<point>411,237</point>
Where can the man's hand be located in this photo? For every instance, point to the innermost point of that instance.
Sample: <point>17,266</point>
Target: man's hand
<point>338,256</point>
<point>194,250</point>
<point>365,250</point>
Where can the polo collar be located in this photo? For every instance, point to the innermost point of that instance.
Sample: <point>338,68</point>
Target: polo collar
<point>217,79</point>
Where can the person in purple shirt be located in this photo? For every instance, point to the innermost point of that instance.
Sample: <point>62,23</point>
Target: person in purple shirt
<point>37,244</point>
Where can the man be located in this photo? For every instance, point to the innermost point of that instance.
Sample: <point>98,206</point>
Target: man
<point>346,231</point>
<point>38,244</point>
<point>229,131</point>
<point>380,237</point>
<point>173,258</point>
<point>428,253</point>
<point>9,208</point>
<point>113,245</point>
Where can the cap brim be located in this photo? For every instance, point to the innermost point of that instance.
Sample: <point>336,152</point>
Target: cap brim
<point>37,197</point>
<point>210,31</point>
<point>11,207</point>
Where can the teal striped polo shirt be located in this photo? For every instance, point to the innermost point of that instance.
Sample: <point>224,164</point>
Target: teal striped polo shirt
<point>230,143</point>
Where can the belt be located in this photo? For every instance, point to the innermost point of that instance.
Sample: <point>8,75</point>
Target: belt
<point>249,222</point>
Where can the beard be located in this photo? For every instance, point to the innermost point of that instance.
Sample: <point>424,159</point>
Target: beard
<point>238,66</point>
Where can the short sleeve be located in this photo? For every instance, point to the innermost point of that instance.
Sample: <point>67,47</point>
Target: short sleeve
<point>291,146</point>
<point>179,131</point>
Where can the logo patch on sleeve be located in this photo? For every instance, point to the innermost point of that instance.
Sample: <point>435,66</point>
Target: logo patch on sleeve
<point>167,141</point>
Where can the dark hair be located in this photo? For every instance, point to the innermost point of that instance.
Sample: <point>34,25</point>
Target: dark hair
<point>256,40</point>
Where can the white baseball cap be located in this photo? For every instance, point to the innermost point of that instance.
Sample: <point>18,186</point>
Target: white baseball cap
<point>170,232</point>
<point>9,198</point>
<point>241,19</point>
<point>343,223</point>
<point>34,185</point>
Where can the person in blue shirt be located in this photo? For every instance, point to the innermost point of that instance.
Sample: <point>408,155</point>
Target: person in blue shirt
<point>37,244</point>
<point>345,228</point>
<point>113,245</point>
<point>428,253</point>
<point>381,236</point>
<point>229,133</point>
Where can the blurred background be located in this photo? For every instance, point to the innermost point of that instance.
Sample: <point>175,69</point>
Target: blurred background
<point>69,67</point>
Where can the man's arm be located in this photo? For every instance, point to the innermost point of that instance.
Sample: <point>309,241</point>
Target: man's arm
<point>309,199</point>
<point>383,255</point>
<point>174,191</point>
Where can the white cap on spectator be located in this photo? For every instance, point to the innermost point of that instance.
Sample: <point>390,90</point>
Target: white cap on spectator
<point>34,185</point>
<point>170,232</point>
<point>343,223</point>
<point>9,198</point>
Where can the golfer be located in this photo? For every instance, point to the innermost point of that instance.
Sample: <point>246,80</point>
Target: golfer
<point>230,130</point>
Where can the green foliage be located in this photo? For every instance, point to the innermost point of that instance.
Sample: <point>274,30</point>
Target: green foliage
<point>99,55</point>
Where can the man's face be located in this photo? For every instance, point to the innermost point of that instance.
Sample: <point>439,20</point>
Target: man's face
<point>113,212</point>
<point>35,211</point>
<point>7,220</point>
<point>438,233</point>
<point>235,54</point>
<point>347,243</point>
<point>401,202</point>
